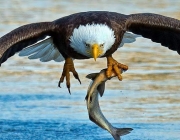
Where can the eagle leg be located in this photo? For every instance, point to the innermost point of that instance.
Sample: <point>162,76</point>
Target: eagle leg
<point>68,67</point>
<point>113,65</point>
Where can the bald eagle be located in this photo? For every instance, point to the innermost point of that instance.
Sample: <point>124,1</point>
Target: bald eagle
<point>85,35</point>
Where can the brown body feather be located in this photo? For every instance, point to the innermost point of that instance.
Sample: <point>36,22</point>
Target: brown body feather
<point>158,28</point>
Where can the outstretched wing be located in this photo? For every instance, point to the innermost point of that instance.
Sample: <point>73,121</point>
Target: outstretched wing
<point>24,36</point>
<point>160,29</point>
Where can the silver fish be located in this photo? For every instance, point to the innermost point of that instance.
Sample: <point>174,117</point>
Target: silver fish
<point>95,114</point>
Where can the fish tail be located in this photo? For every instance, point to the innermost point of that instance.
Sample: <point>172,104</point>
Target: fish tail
<point>120,132</point>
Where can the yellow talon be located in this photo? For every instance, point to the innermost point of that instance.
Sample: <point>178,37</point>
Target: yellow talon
<point>113,65</point>
<point>68,67</point>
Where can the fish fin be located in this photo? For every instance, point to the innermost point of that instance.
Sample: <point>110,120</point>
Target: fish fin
<point>101,88</point>
<point>120,132</point>
<point>92,76</point>
<point>86,97</point>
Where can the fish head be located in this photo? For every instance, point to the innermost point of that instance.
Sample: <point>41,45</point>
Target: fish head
<point>100,81</point>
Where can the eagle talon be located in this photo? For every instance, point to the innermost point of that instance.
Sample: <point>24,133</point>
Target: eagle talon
<point>75,74</point>
<point>114,66</point>
<point>68,87</point>
<point>69,91</point>
<point>61,80</point>
<point>59,84</point>
<point>68,67</point>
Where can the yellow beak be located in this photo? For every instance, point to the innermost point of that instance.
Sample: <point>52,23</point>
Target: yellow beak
<point>95,51</point>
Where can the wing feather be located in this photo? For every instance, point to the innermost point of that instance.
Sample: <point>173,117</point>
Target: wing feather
<point>44,50</point>
<point>22,37</point>
<point>47,56</point>
<point>158,28</point>
<point>34,48</point>
<point>41,52</point>
<point>128,38</point>
<point>59,58</point>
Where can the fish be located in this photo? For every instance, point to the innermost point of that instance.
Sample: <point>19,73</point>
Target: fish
<point>95,114</point>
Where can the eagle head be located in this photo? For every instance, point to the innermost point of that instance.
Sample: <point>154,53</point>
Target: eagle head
<point>92,40</point>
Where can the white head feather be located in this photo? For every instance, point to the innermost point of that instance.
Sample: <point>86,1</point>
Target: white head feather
<point>91,34</point>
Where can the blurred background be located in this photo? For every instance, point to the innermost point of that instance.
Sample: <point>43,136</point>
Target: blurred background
<point>148,99</point>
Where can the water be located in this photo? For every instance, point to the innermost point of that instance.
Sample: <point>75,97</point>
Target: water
<point>53,116</point>
<point>63,129</point>
<point>148,99</point>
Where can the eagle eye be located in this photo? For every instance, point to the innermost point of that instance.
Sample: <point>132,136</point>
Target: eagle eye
<point>102,45</point>
<point>87,45</point>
